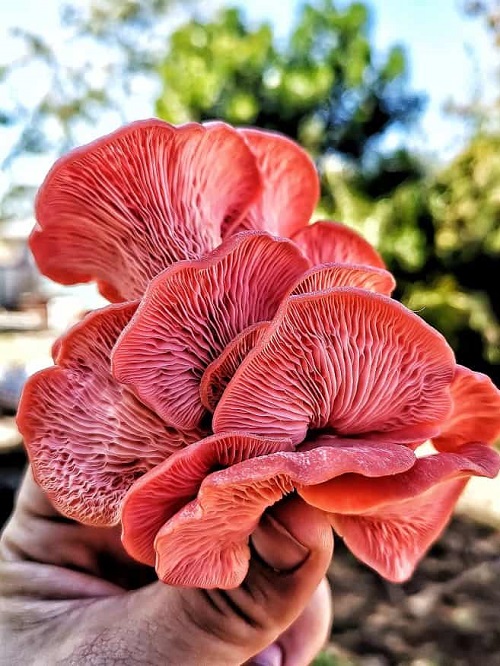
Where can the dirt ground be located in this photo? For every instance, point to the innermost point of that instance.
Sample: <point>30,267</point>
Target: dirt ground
<point>447,615</point>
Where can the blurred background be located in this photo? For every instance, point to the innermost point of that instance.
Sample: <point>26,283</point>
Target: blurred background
<point>399,105</point>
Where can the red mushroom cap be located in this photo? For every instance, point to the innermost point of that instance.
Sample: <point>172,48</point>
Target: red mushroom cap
<point>192,311</point>
<point>326,241</point>
<point>345,360</point>
<point>290,185</point>
<point>476,411</point>
<point>88,437</point>
<point>123,208</point>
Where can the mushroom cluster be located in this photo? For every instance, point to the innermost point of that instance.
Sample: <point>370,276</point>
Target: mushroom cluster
<point>246,354</point>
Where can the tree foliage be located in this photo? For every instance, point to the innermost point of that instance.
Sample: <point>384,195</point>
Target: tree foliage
<point>440,236</point>
<point>324,85</point>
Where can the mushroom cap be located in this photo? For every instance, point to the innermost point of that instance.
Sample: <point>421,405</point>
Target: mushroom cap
<point>290,185</point>
<point>345,360</point>
<point>192,311</point>
<point>158,495</point>
<point>325,276</point>
<point>326,241</point>
<point>220,371</point>
<point>389,523</point>
<point>123,208</point>
<point>476,411</point>
<point>89,438</point>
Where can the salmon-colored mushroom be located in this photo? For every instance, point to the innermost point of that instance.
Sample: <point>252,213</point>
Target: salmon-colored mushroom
<point>249,355</point>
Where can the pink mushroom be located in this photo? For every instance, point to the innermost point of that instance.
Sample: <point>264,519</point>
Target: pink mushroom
<point>250,355</point>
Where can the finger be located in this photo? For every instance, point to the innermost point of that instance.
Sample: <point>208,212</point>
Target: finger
<point>292,551</point>
<point>305,637</point>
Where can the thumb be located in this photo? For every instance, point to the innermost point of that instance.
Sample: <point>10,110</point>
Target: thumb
<point>291,551</point>
<point>305,637</point>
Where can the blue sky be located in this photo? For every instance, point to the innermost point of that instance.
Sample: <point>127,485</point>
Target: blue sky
<point>445,52</point>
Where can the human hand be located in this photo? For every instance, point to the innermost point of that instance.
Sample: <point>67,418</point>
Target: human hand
<point>69,594</point>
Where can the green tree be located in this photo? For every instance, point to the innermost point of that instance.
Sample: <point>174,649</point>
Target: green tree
<point>324,85</point>
<point>465,205</point>
<point>440,236</point>
<point>459,217</point>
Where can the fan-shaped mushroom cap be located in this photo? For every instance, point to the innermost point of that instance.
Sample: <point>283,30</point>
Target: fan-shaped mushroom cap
<point>123,208</point>
<point>219,372</point>
<point>389,523</point>
<point>290,185</point>
<point>167,488</point>
<point>89,438</point>
<point>347,360</point>
<point>327,242</point>
<point>326,276</point>
<point>476,411</point>
<point>192,311</point>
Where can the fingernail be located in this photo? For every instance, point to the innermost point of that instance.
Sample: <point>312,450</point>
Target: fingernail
<point>275,545</point>
<point>271,656</point>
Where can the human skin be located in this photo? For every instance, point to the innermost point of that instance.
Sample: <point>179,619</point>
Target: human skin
<point>69,594</point>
